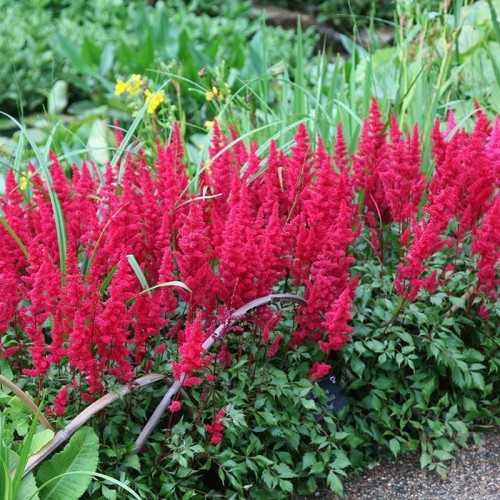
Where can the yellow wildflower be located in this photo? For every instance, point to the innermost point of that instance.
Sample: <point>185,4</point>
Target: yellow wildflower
<point>24,181</point>
<point>135,84</point>
<point>210,94</point>
<point>154,100</point>
<point>121,87</point>
<point>209,125</point>
<point>136,80</point>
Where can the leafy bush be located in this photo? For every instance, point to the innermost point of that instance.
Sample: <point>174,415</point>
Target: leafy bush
<point>99,289</point>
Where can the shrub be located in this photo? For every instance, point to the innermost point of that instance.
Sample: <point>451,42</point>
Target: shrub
<point>408,268</point>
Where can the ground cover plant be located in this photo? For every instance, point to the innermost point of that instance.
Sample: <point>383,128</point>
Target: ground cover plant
<point>109,276</point>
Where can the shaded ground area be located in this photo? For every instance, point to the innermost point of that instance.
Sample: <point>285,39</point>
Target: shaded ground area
<point>474,474</point>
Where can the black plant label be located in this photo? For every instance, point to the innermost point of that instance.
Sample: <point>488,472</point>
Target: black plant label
<point>336,397</point>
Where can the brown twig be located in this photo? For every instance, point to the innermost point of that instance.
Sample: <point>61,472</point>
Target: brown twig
<point>466,296</point>
<point>27,400</point>
<point>63,435</point>
<point>209,342</point>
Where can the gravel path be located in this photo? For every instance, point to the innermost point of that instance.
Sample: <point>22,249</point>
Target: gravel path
<point>474,474</point>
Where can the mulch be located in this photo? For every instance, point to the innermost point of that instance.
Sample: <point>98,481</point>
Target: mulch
<point>473,474</point>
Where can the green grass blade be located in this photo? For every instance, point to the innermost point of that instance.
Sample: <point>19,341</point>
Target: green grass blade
<point>24,454</point>
<point>129,135</point>
<point>6,225</point>
<point>56,206</point>
<point>138,272</point>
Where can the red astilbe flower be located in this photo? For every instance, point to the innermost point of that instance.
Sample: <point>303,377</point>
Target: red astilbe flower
<point>427,241</point>
<point>193,260</point>
<point>337,318</point>
<point>19,220</point>
<point>402,179</point>
<point>112,332</point>
<point>493,150</point>
<point>273,190</point>
<point>171,171</point>
<point>175,406</point>
<point>221,168</point>
<point>42,287</point>
<point>147,321</point>
<point>368,164</point>
<point>217,429</point>
<point>10,295</point>
<point>193,356</point>
<point>319,370</point>
<point>329,276</point>
<point>463,163</point>
<point>84,208</point>
<point>342,155</point>
<point>60,401</point>
<point>320,212</point>
<point>165,295</point>
<point>486,245</point>
<point>269,242</point>
<point>275,345</point>
<point>238,253</point>
<point>298,175</point>
<point>82,301</point>
<point>43,217</point>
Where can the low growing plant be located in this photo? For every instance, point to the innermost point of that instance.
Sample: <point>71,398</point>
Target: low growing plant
<point>141,269</point>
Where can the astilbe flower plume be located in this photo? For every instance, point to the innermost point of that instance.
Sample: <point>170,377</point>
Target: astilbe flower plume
<point>486,245</point>
<point>217,428</point>
<point>369,164</point>
<point>193,260</point>
<point>319,370</point>
<point>402,179</point>
<point>193,356</point>
<point>42,287</point>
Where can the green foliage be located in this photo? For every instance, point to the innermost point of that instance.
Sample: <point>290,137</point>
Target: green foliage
<point>61,477</point>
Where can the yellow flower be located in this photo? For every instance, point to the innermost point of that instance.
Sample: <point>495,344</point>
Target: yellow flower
<point>121,87</point>
<point>135,84</point>
<point>24,181</point>
<point>209,125</point>
<point>154,100</point>
<point>210,94</point>
<point>136,80</point>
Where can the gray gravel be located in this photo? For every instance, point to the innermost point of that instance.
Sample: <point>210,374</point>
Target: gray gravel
<point>473,474</point>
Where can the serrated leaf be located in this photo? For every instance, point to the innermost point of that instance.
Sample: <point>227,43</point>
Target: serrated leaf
<point>425,459</point>
<point>460,427</point>
<point>341,460</point>
<point>442,455</point>
<point>335,484</point>
<point>284,471</point>
<point>308,459</point>
<point>80,454</point>
<point>478,380</point>
<point>133,462</point>
<point>286,485</point>
<point>394,446</point>
<point>108,493</point>
<point>308,404</point>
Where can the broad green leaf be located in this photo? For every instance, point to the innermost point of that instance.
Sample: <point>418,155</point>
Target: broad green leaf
<point>28,488</point>
<point>80,454</point>
<point>58,98</point>
<point>40,440</point>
